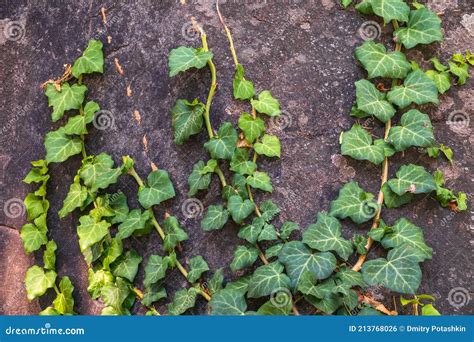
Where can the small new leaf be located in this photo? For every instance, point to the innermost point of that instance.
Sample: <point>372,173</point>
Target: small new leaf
<point>92,60</point>
<point>243,89</point>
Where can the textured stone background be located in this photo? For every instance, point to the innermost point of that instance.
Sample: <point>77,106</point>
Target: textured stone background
<point>301,50</point>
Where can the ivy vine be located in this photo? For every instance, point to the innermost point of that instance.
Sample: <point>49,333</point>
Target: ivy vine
<point>291,274</point>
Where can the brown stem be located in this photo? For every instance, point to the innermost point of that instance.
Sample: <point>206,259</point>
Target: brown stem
<point>377,305</point>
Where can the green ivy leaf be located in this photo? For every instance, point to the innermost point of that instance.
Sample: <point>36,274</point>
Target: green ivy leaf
<point>35,206</point>
<point>243,89</point>
<point>78,124</point>
<point>215,218</point>
<point>184,58</point>
<point>49,255</point>
<point>99,173</point>
<point>114,251</point>
<point>222,146</point>
<point>183,300</point>
<point>269,210</point>
<point>187,119</point>
<point>197,267</point>
<point>118,206</point>
<point>460,70</point>
<point>64,302</point>
<point>252,127</point>
<point>346,3</point>
<point>415,130</point>
<point>412,178</point>
<point>91,231</point>
<point>174,234</point>
<point>417,88</point>
<point>391,10</point>
<point>266,104</point>
<point>287,228</point>
<point>273,251</point>
<point>240,162</point>
<point>350,277</point>
<point>267,279</point>
<point>60,146</point>
<point>298,259</point>
<point>260,180</point>
<point>126,266</point>
<point>404,232</point>
<point>37,281</point>
<point>244,256</point>
<point>424,27</point>
<point>159,188</point>
<point>69,97</point>
<point>135,220</point>
<point>392,200</point>
<point>115,294</point>
<point>446,197</point>
<point>198,180</point>
<point>379,63</point>
<point>97,280</point>
<point>372,101</point>
<point>153,294</point>
<point>268,233</point>
<point>239,209</point>
<point>355,203</point>
<point>75,198</point>
<point>269,146</point>
<point>92,60</point>
<point>326,235</point>
<point>442,80</point>
<point>357,143</point>
<point>399,272</point>
<point>278,305</point>
<point>251,232</point>
<point>365,7</point>
<point>216,282</point>
<point>32,237</point>
<point>155,269</point>
<point>240,285</point>
<point>228,302</point>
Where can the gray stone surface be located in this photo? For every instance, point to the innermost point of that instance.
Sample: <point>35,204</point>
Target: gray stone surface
<point>301,50</point>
